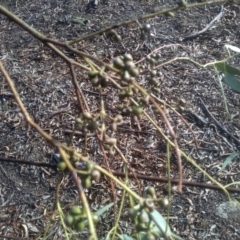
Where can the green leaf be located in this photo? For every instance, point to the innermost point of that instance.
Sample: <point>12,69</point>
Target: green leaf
<point>228,160</point>
<point>161,223</point>
<point>101,211</point>
<point>229,71</point>
<point>232,82</point>
<point>76,19</point>
<point>104,209</point>
<point>126,237</point>
<point>160,220</point>
<point>225,68</point>
<point>161,229</point>
<point>158,225</point>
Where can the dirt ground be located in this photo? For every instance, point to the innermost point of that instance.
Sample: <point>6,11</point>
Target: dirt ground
<point>45,87</point>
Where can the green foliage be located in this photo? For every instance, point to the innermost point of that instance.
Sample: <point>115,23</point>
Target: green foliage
<point>149,222</point>
<point>77,218</point>
<point>229,76</point>
<point>228,160</point>
<point>229,73</point>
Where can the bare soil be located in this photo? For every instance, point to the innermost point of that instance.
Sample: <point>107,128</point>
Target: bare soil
<point>45,87</point>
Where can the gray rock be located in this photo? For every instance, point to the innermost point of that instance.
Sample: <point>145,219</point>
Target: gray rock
<point>229,210</point>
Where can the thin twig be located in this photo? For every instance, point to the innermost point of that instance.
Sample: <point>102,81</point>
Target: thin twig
<point>165,119</point>
<point>221,128</point>
<point>130,175</point>
<point>191,36</point>
<point>76,87</point>
<point>147,16</point>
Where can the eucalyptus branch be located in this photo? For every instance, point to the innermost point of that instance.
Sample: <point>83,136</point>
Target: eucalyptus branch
<point>190,60</point>
<point>81,193</point>
<point>117,181</point>
<point>179,115</point>
<point>116,224</point>
<point>190,160</point>
<point>128,165</point>
<point>77,88</point>
<point>49,42</point>
<point>144,92</point>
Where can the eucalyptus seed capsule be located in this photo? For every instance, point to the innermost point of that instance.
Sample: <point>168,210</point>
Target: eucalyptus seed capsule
<point>132,213</point>
<point>150,236</point>
<point>111,33</point>
<point>127,57</point>
<point>87,115</point>
<point>129,64</point>
<point>182,102</point>
<point>117,38</point>
<point>129,92</point>
<point>153,73</point>
<point>126,76</point>
<point>89,167</point>
<point>119,118</point>
<point>143,36</point>
<point>62,166</point>
<point>76,210</point>
<point>103,82</point>
<point>137,111</point>
<point>154,81</point>
<point>148,58</point>
<point>147,28</point>
<point>143,217</point>
<point>92,126</point>
<point>133,72</point>
<point>151,191</point>
<point>95,81</point>
<point>141,227</point>
<point>122,95</point>
<point>169,14</point>
<point>163,202</point>
<point>182,3</point>
<point>114,126</point>
<point>79,226</point>
<point>95,175</point>
<point>92,74</point>
<point>118,63</point>
<point>95,218</point>
<point>148,203</point>
<point>69,220</point>
<point>86,182</point>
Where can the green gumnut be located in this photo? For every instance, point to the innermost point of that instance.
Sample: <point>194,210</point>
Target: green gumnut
<point>79,226</point>
<point>86,182</point>
<point>92,74</point>
<point>76,210</point>
<point>137,111</point>
<point>69,220</point>
<point>62,166</point>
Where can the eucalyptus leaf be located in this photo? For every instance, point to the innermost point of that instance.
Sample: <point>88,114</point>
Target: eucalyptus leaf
<point>159,226</point>
<point>229,73</point>
<point>163,229</point>
<point>233,48</point>
<point>104,209</point>
<point>101,211</point>
<point>80,20</point>
<point>126,237</point>
<point>225,68</point>
<point>232,82</point>
<point>228,160</point>
<point>107,237</point>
